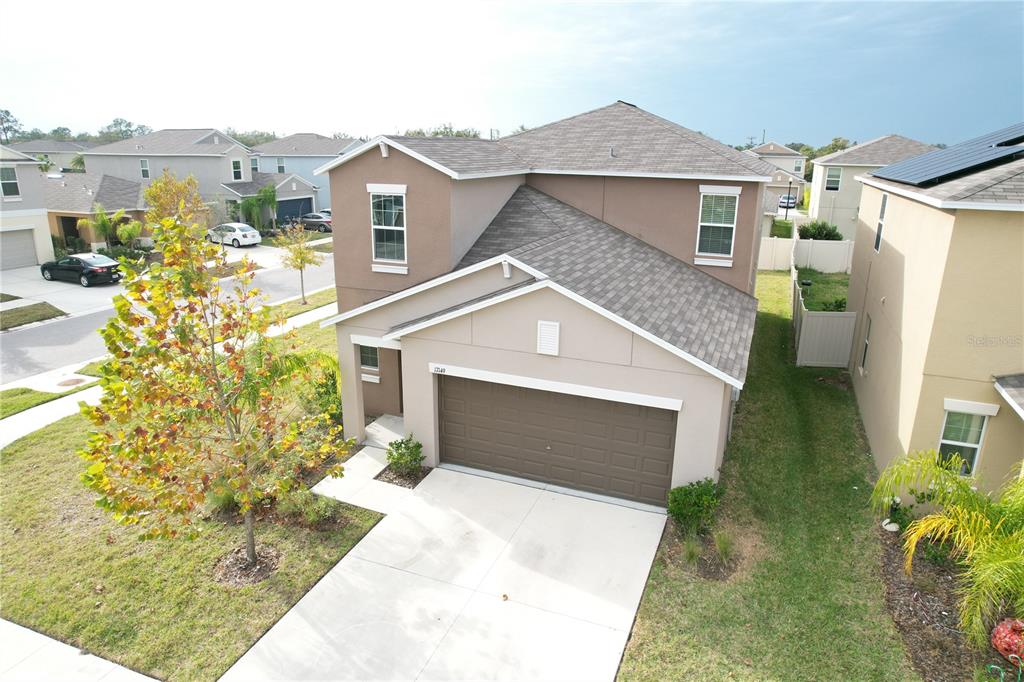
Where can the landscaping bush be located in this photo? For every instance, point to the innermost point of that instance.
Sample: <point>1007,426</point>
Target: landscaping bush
<point>116,252</point>
<point>405,455</point>
<point>324,396</point>
<point>304,504</point>
<point>725,546</point>
<point>836,306</point>
<point>691,549</point>
<point>693,505</point>
<point>820,229</point>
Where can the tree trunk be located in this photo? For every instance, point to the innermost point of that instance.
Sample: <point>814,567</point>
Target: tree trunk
<point>250,537</point>
<point>302,286</point>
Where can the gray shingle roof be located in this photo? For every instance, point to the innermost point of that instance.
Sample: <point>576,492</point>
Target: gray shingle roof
<point>171,141</point>
<point>8,154</point>
<point>624,138</point>
<point>773,149</point>
<point>249,188</point>
<point>1013,386</point>
<point>666,297</point>
<point>878,152</point>
<point>79,192</point>
<point>45,146</point>
<point>463,154</point>
<point>304,144</point>
<point>1002,184</point>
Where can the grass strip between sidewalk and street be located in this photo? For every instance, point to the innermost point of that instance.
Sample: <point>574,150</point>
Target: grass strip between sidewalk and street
<point>37,312</point>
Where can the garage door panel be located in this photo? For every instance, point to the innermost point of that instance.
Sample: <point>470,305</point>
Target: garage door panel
<point>17,249</point>
<point>594,445</point>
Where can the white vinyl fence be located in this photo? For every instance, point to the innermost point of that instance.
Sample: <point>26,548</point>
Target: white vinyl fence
<point>778,253</point>
<point>823,339</point>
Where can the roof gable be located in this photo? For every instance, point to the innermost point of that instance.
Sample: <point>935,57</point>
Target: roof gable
<point>304,144</point>
<point>772,148</point>
<point>880,151</point>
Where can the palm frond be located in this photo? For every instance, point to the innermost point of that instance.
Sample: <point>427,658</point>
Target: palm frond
<point>993,585</point>
<point>927,473</point>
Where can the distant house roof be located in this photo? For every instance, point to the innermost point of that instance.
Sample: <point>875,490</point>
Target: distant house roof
<point>48,146</point>
<point>774,149</point>
<point>1011,387</point>
<point>305,144</point>
<point>172,142</point>
<point>79,192</point>
<point>668,298</point>
<point>619,139</point>
<point>14,156</point>
<point>878,152</point>
<point>249,188</point>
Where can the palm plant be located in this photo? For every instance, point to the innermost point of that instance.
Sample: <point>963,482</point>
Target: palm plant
<point>251,212</point>
<point>78,163</point>
<point>103,223</point>
<point>266,199</point>
<point>984,531</point>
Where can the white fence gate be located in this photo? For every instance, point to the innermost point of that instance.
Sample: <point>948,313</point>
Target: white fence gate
<point>778,253</point>
<point>823,339</point>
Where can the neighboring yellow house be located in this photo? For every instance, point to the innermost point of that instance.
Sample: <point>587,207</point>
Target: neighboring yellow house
<point>938,285</point>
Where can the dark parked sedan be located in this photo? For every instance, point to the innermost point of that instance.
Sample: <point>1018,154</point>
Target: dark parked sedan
<point>85,268</point>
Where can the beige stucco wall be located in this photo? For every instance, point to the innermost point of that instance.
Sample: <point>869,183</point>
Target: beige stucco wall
<point>941,325</point>
<point>840,207</point>
<point>474,205</point>
<point>663,213</point>
<point>502,338</point>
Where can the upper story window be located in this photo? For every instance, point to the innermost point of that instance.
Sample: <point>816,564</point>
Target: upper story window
<point>280,164</point>
<point>961,435</point>
<point>144,168</point>
<point>717,224</point>
<point>254,164</point>
<point>881,221</point>
<point>832,178</point>
<point>798,165</point>
<point>236,169</point>
<point>9,183</point>
<point>387,216</point>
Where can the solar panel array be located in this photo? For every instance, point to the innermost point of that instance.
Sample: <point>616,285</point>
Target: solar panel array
<point>942,164</point>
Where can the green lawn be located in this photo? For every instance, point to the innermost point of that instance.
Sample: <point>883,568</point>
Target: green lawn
<point>825,287</point>
<point>71,572</point>
<point>320,298</point>
<point>4,298</point>
<point>15,400</point>
<point>37,312</point>
<point>809,603</point>
<point>782,228</point>
<point>324,248</point>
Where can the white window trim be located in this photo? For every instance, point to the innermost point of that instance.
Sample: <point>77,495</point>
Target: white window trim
<point>241,170</point>
<point>380,188</point>
<point>144,169</point>
<point>405,221</point>
<point>613,395</point>
<point>721,189</point>
<point>375,341</point>
<point>17,184</point>
<point>370,378</point>
<point>389,269</point>
<point>715,262</point>
<point>839,180</point>
<point>975,446</point>
<point>254,164</point>
<point>970,407</point>
<point>280,164</point>
<point>370,367</point>
<point>735,220</point>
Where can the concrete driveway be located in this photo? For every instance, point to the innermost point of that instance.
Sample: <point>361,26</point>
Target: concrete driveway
<point>72,298</point>
<point>470,579</point>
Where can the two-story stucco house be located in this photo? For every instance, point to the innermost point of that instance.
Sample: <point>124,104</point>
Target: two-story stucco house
<point>938,287</point>
<point>301,154</point>
<point>571,304</point>
<point>206,153</point>
<point>790,165</point>
<point>60,153</point>
<point>24,235</point>
<point>835,192</point>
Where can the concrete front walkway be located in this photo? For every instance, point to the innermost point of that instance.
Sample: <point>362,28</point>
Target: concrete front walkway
<point>27,655</point>
<point>471,578</point>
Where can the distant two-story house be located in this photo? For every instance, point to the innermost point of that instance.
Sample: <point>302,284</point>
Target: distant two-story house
<point>301,154</point>
<point>60,153</point>
<point>571,304</point>
<point>835,192</point>
<point>789,178</point>
<point>938,287</point>
<point>24,235</point>
<point>208,154</point>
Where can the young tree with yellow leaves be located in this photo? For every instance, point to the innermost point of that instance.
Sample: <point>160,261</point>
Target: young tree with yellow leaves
<point>299,255</point>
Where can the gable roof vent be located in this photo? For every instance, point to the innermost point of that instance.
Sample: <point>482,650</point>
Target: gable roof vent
<point>216,139</point>
<point>547,337</point>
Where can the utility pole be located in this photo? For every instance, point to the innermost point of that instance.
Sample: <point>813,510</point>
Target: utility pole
<point>763,131</point>
<point>750,139</point>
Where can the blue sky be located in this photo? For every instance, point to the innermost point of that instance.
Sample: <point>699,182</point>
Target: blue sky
<point>939,72</point>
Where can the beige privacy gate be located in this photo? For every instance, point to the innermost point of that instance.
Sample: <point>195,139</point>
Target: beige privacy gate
<point>823,339</point>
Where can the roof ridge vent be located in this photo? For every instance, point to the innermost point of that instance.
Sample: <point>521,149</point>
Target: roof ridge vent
<point>138,146</point>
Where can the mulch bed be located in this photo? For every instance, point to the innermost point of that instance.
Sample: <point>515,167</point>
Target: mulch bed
<point>923,606</point>
<point>235,570</point>
<point>708,565</point>
<point>390,476</point>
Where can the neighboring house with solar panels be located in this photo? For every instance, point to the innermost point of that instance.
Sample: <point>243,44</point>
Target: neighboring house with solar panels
<point>938,287</point>
<point>835,192</point>
<point>571,304</point>
<point>301,154</point>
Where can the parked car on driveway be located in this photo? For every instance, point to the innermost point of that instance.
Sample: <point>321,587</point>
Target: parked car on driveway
<point>787,201</point>
<point>236,234</point>
<point>85,268</point>
<point>321,222</point>
<point>326,212</point>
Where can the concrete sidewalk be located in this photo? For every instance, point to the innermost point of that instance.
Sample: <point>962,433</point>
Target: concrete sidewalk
<point>28,655</point>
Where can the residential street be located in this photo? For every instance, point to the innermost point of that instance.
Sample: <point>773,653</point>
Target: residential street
<point>24,352</point>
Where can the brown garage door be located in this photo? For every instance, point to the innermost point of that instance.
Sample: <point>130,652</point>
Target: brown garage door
<point>595,445</point>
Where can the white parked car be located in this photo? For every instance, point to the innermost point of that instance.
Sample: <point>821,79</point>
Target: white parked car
<point>236,234</point>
